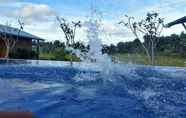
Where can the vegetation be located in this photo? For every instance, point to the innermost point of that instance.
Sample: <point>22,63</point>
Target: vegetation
<point>56,51</point>
<point>161,60</point>
<point>23,54</point>
<point>68,29</point>
<point>170,51</point>
<point>150,27</point>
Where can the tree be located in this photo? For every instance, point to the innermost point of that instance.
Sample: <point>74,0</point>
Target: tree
<point>69,30</point>
<point>151,27</point>
<point>7,35</point>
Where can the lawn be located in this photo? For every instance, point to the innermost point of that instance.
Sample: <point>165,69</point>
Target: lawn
<point>128,58</point>
<point>160,60</point>
<point>58,57</point>
<point>47,56</point>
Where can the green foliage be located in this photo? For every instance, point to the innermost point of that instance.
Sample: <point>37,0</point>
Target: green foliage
<point>170,51</point>
<point>161,60</point>
<point>71,57</point>
<point>46,56</point>
<point>174,45</point>
<point>56,51</point>
<point>60,54</point>
<point>23,54</point>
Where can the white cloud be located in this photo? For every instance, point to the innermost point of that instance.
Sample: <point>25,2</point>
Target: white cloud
<point>40,18</point>
<point>31,13</point>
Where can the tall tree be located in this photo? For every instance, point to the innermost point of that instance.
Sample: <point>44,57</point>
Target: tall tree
<point>69,30</point>
<point>151,26</point>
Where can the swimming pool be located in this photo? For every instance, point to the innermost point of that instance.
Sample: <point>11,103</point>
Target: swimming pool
<point>57,90</point>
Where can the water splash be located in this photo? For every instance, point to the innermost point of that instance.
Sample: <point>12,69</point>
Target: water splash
<point>95,44</point>
<point>94,54</point>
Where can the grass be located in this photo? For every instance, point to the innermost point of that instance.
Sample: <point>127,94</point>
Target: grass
<point>47,56</point>
<point>160,60</point>
<point>52,56</point>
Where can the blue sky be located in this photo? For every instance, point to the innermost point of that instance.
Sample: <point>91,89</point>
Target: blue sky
<point>39,15</point>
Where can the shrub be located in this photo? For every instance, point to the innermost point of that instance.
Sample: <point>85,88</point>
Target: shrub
<point>23,54</point>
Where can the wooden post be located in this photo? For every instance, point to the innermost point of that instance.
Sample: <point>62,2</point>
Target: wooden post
<point>184,25</point>
<point>38,49</point>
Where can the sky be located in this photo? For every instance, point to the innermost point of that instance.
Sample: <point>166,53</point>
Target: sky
<point>39,16</point>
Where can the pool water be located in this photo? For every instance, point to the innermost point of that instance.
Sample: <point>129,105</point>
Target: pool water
<point>57,90</point>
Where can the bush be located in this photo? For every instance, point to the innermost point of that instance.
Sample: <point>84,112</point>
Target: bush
<point>69,57</point>
<point>23,54</point>
<point>59,54</point>
<point>62,55</point>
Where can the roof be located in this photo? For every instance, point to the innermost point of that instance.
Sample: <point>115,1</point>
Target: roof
<point>178,21</point>
<point>14,31</point>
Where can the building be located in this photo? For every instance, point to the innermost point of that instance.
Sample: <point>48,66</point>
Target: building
<point>178,21</point>
<point>19,40</point>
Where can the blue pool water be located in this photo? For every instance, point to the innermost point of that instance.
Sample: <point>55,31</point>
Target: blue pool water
<point>56,90</point>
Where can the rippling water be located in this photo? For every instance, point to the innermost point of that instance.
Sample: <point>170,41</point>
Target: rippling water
<point>56,90</point>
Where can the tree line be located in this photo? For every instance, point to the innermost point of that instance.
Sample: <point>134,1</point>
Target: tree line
<point>173,45</point>
<point>57,50</point>
<point>151,44</point>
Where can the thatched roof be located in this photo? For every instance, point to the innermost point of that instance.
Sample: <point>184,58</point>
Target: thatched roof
<point>14,31</point>
<point>178,21</point>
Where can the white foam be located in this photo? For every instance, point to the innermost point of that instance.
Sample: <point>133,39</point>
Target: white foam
<point>148,93</point>
<point>85,77</point>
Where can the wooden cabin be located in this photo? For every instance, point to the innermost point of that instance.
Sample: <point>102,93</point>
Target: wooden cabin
<point>23,40</point>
